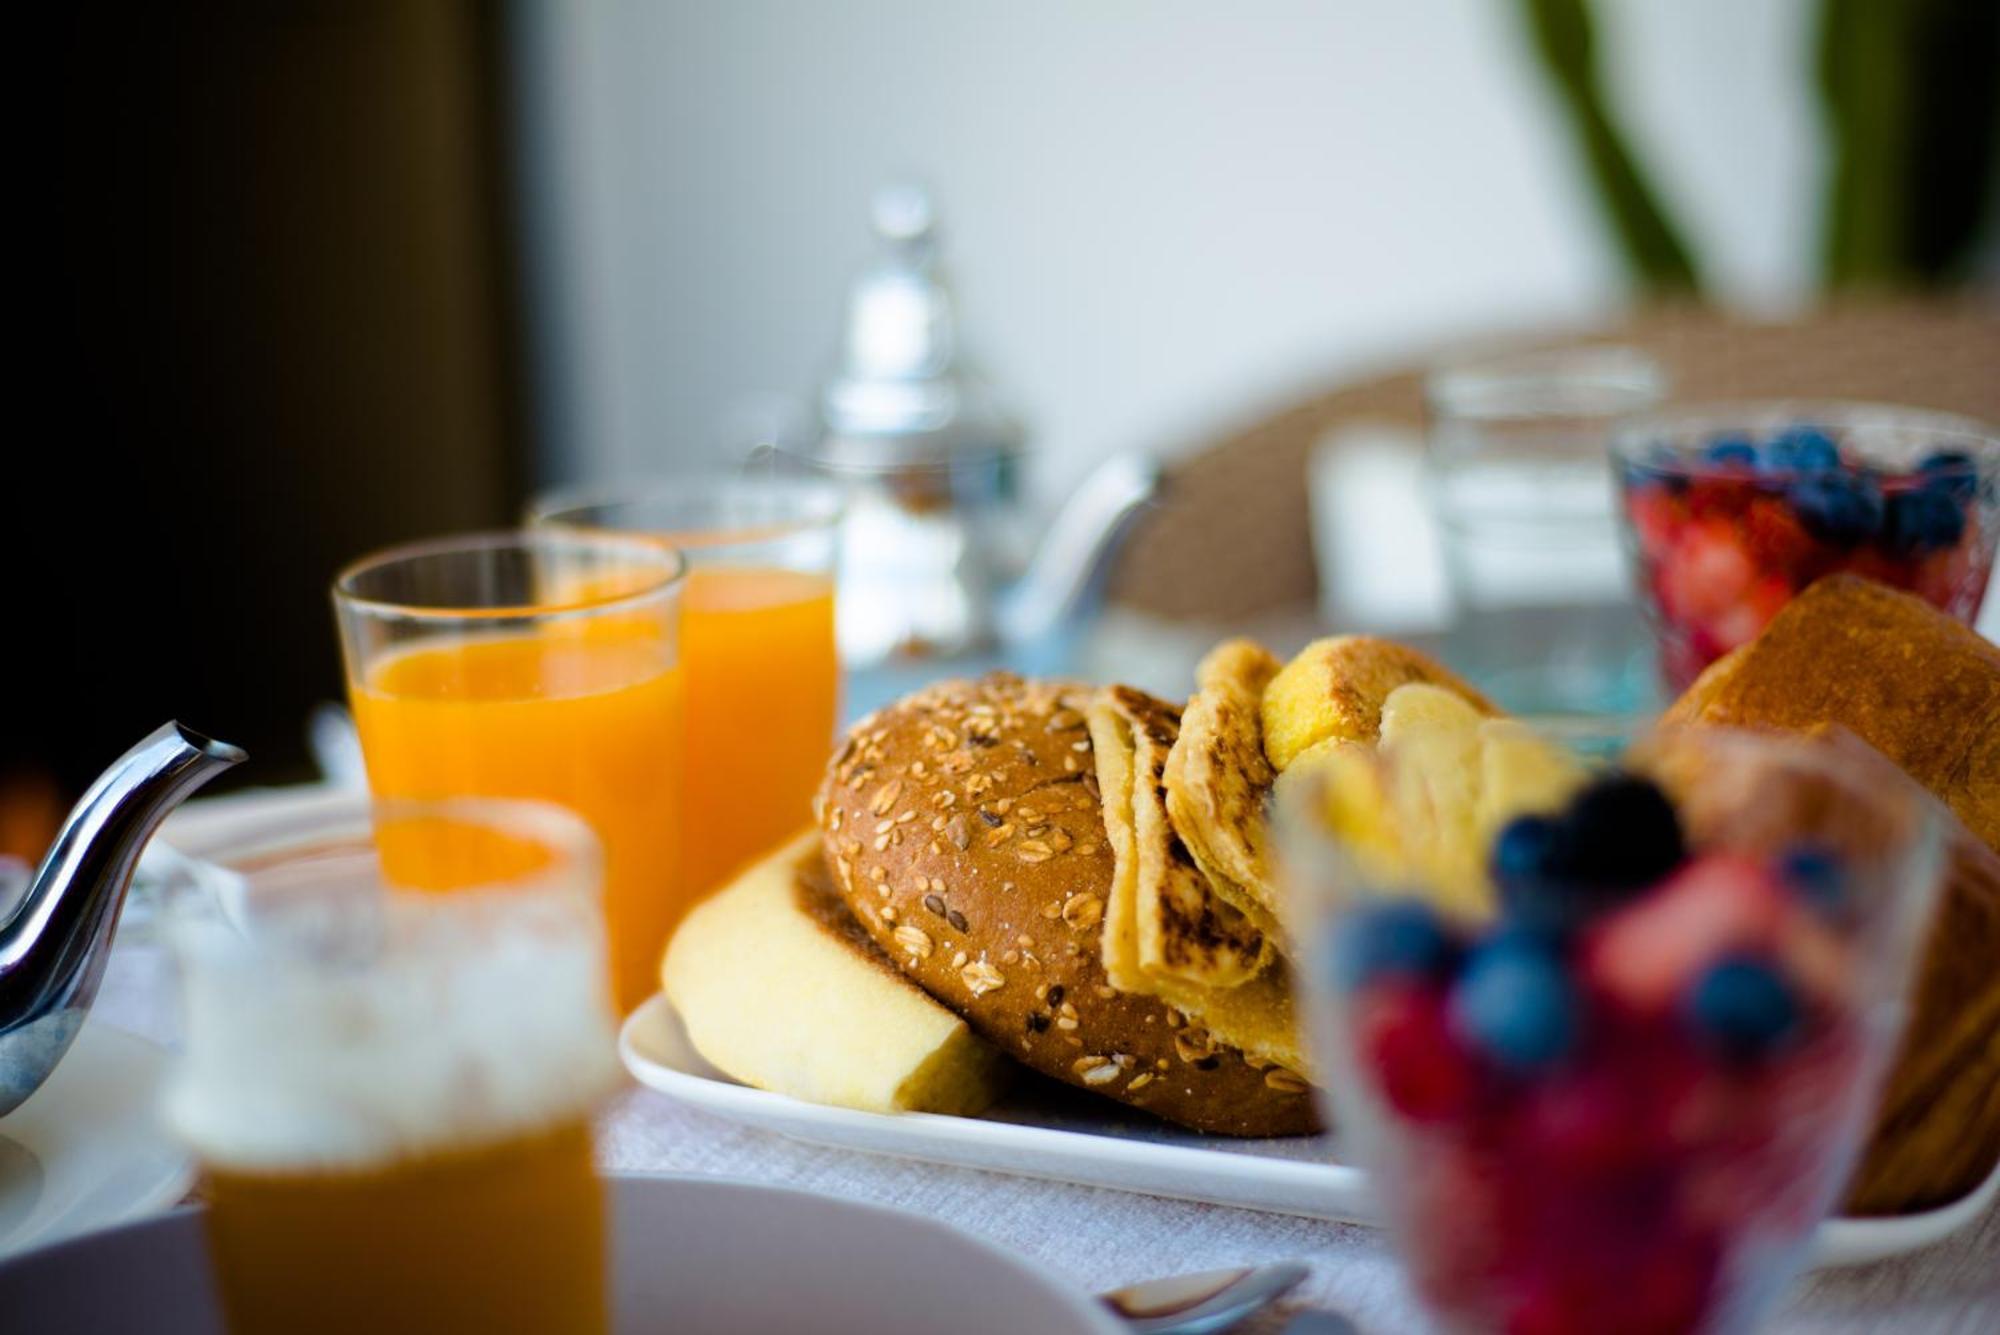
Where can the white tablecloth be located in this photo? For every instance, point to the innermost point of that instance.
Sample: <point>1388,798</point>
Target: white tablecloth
<point>1099,1239</point>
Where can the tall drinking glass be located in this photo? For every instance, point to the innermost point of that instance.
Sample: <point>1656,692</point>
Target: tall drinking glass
<point>757,648</point>
<point>541,666</point>
<point>1544,619</point>
<point>1619,1088</point>
<point>390,1089</point>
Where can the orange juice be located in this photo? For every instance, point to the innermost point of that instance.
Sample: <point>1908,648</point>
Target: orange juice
<point>589,721</point>
<point>762,680</point>
<point>495,1239</point>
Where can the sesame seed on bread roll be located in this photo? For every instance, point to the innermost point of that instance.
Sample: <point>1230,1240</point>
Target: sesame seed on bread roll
<point>965,831</point>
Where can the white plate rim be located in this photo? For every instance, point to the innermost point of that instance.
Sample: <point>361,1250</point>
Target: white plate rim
<point>1840,1241</point>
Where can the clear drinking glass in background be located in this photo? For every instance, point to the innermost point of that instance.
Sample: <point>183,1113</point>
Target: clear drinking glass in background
<point>390,1089</point>
<point>757,647</point>
<point>1559,1104</point>
<point>542,666</point>
<point>1544,619</point>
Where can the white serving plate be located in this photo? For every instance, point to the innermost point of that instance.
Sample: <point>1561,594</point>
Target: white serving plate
<point>688,1255</point>
<point>1049,1131</point>
<point>86,1150</point>
<point>1043,1129</point>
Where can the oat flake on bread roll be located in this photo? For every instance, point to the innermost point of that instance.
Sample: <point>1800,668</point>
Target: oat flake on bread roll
<point>965,830</point>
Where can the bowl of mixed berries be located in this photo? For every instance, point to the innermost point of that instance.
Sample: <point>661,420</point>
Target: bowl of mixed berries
<point>1730,511</point>
<point>1621,1094</point>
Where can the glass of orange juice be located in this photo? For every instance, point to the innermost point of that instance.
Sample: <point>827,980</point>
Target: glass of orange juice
<point>531,665</point>
<point>757,647</point>
<point>389,1089</point>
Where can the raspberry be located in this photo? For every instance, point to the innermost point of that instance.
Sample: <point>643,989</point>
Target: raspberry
<point>1646,953</point>
<point>1404,1037</point>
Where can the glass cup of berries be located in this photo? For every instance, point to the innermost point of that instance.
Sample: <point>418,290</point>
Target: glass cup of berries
<point>1611,1072</point>
<point>1731,510</point>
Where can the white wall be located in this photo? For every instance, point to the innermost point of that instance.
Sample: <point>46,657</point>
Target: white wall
<point>1163,214</point>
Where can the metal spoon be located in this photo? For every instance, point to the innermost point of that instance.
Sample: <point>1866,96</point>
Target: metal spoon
<point>1197,1304</point>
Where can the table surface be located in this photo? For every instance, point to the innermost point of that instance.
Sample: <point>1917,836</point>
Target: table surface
<point>1099,1239</point>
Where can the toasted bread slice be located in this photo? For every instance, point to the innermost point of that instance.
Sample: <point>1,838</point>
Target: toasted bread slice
<point>1182,928</point>
<point>1218,781</point>
<point>1131,734</point>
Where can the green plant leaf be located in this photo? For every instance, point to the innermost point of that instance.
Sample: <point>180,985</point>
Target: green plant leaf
<point>1910,92</point>
<point>1564,38</point>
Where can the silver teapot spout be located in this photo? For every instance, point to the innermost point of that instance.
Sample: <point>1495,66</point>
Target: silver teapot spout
<point>1077,549</point>
<point>53,947</point>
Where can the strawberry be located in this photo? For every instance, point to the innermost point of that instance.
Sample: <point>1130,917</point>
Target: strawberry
<point>1646,953</point>
<point>1774,536</point>
<point>1656,515</point>
<point>1720,495</point>
<point>1738,625</point>
<point>1708,571</point>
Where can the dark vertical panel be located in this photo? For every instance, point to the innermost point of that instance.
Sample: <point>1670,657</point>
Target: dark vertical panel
<point>273,321</point>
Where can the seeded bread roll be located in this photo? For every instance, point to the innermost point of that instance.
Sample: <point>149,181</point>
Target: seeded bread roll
<point>964,828</point>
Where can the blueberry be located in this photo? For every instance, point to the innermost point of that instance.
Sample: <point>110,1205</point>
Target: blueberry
<point>1402,937</point>
<point>1742,1009</point>
<point>1516,1004</point>
<point>1529,864</point>
<point>1799,448</point>
<point>1838,508</point>
<point>1777,455</point>
<point>1816,874</point>
<point>1620,834</point>
<point>1527,850</point>
<point>1927,519</point>
<point>1809,447</point>
<point>1730,452</point>
<point>1950,471</point>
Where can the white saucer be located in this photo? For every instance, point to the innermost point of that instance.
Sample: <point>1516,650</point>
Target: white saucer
<point>87,1151</point>
<point>694,1255</point>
